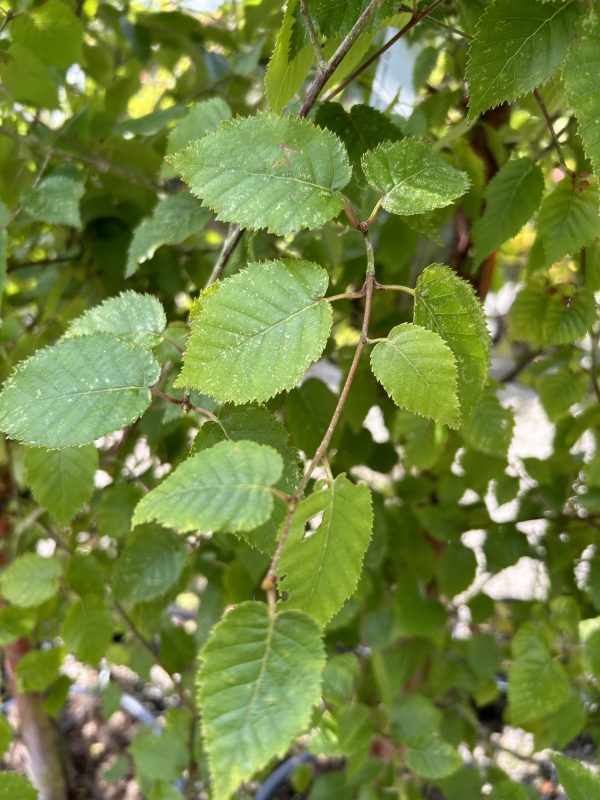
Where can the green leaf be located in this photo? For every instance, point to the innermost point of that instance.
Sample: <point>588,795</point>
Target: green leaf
<point>149,565</point>
<point>52,31</point>
<point>578,781</point>
<point>361,128</point>
<point>257,334</point>
<point>286,70</point>
<point>508,790</point>
<point>320,570</point>
<point>580,75</point>
<point>560,390</point>
<point>30,580</point>
<point>137,318</point>
<point>14,787</point>
<point>537,685</point>
<point>418,370</point>
<point>568,318</point>
<point>4,220</point>
<point>512,197</point>
<point>249,665</point>
<point>226,487</point>
<point>414,715</point>
<point>14,623</point>
<point>88,630</point>
<point>490,427</point>
<point>412,178</point>
<point>201,118</point>
<point>55,200</point>
<point>432,757</point>
<point>568,219</point>
<point>526,321</point>
<point>77,391</point>
<point>174,219</point>
<point>38,669</point>
<point>6,737</point>
<point>279,173</point>
<point>159,755</point>
<point>27,79</point>
<point>516,48</point>
<point>62,480</point>
<point>447,305</point>
<point>456,569</point>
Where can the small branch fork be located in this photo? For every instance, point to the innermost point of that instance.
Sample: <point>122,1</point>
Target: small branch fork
<point>185,404</point>
<point>555,141</point>
<point>270,582</point>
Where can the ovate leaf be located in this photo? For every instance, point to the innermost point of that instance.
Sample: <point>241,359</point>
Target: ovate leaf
<point>418,371</point>
<point>568,218</point>
<point>137,318</point>
<point>568,317</point>
<point>320,568</point>
<point>490,427</point>
<point>30,580</point>
<point>62,480</point>
<point>516,48</point>
<point>77,391</point>
<point>580,75</point>
<point>88,630</point>
<point>526,322</point>
<point>173,220</point>
<point>55,200</point>
<point>447,305</point>
<point>412,178</point>
<point>560,390</point>
<point>250,664</point>
<point>201,118</point>
<point>512,197</point>
<point>149,565</point>
<point>14,787</point>
<point>279,173</point>
<point>432,757</point>
<point>27,79</point>
<point>257,334</point>
<point>52,31</point>
<point>226,487</point>
<point>286,70</point>
<point>578,781</point>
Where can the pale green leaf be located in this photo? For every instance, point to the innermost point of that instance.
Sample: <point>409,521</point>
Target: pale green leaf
<point>568,318</point>
<point>508,790</point>
<point>77,391</point>
<point>55,200</point>
<point>7,735</point>
<point>38,669</point>
<point>260,675</point>
<point>62,480</point>
<point>431,757</point>
<point>418,370</point>
<point>490,427</point>
<point>159,755</point>
<point>137,318</point>
<point>149,565</point>
<point>201,118</point>
<point>517,47</point>
<point>320,569</point>
<point>227,488</point>
<point>30,580</point>
<point>174,219</point>
<point>27,79</point>
<point>560,390</point>
<point>88,630</point>
<point>568,219</point>
<point>14,624</point>
<point>581,78</point>
<point>258,333</point>
<point>512,197</point>
<point>52,31</point>
<point>279,173</point>
<point>286,70</point>
<point>578,781</point>
<point>412,178</point>
<point>447,305</point>
<point>14,787</point>
<point>414,715</point>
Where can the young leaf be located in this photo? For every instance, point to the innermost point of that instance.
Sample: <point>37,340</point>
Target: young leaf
<point>568,218</point>
<point>226,487</point>
<point>286,70</point>
<point>412,177</point>
<point>249,665</point>
<point>30,580</point>
<point>447,305</point>
<point>512,197</point>
<point>257,334</point>
<point>55,200</point>
<point>173,220</point>
<point>201,118</point>
<point>137,318</point>
<point>320,570</point>
<point>279,173</point>
<point>516,49</point>
<point>149,565</point>
<point>578,781</point>
<point>62,480</point>
<point>418,371</point>
<point>77,391</point>
<point>580,75</point>
<point>432,757</point>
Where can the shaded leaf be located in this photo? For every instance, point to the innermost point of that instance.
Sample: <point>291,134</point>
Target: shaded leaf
<point>578,781</point>
<point>88,630</point>
<point>432,757</point>
<point>149,565</point>
<point>580,76</point>
<point>287,68</point>
<point>52,31</point>
<point>55,200</point>
<point>137,318</point>
<point>568,219</point>
<point>30,580</point>
<point>201,118</point>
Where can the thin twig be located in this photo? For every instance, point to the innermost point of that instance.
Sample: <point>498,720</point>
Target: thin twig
<point>444,25</point>
<point>394,287</point>
<point>270,582</point>
<point>185,404</point>
<point>550,126</point>
<point>312,34</point>
<point>346,296</point>
<point>44,262</point>
<point>229,245</point>
<point>366,64</point>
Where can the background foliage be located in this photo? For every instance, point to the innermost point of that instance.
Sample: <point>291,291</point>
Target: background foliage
<point>195,209</point>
